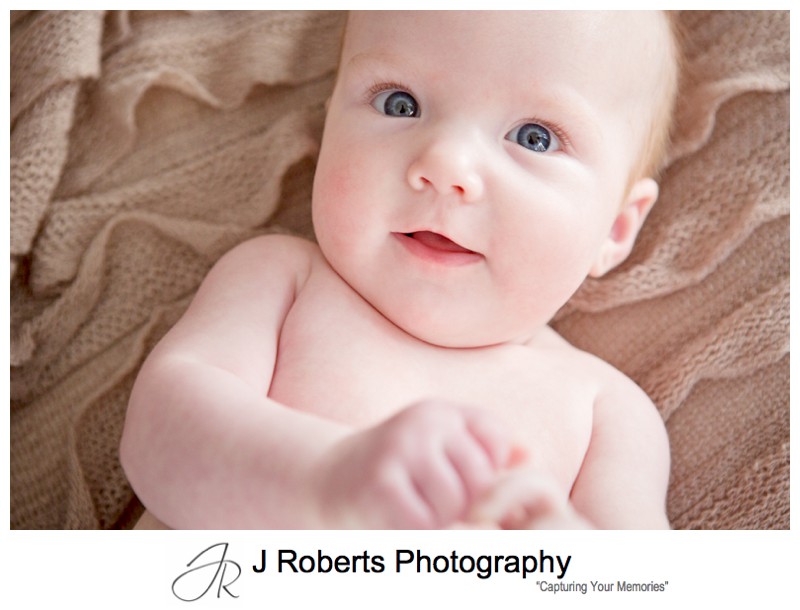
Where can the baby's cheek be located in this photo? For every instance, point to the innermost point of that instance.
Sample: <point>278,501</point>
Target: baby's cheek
<point>336,200</point>
<point>338,179</point>
<point>337,183</point>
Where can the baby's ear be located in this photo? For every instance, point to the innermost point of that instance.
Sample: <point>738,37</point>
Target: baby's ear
<point>619,243</point>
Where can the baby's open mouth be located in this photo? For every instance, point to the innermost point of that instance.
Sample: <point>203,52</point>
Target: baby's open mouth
<point>435,248</point>
<point>437,242</point>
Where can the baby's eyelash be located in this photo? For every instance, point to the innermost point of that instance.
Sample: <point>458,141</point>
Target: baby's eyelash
<point>556,128</point>
<point>381,86</point>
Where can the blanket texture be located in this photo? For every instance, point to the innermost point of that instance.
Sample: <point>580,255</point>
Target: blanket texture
<point>145,145</point>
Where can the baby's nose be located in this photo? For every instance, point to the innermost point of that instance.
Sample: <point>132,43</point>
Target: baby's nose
<point>449,166</point>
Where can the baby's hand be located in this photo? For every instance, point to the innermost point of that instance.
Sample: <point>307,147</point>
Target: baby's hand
<point>525,499</point>
<point>421,469</point>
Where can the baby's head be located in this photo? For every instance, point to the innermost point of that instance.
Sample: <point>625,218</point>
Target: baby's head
<point>477,166</point>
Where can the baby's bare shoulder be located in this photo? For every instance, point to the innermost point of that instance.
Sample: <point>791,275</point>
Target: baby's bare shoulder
<point>235,318</point>
<point>264,263</point>
<point>271,251</point>
<point>622,408</point>
<point>251,286</point>
<point>613,387</point>
<point>629,438</point>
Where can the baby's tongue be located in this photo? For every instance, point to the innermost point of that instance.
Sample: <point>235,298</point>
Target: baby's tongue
<point>437,242</point>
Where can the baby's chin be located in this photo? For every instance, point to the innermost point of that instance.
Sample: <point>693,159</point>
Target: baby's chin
<point>456,334</point>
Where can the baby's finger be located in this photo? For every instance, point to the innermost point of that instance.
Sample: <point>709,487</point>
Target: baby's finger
<point>403,507</point>
<point>518,498</point>
<point>494,438</point>
<point>473,465</point>
<point>441,487</point>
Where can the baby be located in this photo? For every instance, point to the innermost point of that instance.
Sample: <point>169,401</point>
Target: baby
<point>475,168</point>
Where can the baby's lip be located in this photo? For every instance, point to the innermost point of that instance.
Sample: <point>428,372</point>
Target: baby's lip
<point>437,249</point>
<point>437,241</point>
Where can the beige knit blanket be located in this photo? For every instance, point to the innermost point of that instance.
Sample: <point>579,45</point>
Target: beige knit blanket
<point>144,145</point>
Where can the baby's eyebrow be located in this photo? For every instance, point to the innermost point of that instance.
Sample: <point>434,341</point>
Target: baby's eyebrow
<point>379,66</point>
<point>371,60</point>
<point>570,109</point>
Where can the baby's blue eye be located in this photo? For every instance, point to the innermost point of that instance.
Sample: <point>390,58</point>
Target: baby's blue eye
<point>396,104</point>
<point>534,137</point>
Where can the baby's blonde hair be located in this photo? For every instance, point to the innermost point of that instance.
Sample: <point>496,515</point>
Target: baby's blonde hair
<point>655,149</point>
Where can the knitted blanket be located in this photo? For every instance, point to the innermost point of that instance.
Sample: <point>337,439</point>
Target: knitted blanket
<point>145,145</point>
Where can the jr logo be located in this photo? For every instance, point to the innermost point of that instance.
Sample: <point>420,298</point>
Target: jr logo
<point>205,569</point>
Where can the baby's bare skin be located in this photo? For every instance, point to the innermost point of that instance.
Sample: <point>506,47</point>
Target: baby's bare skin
<point>341,361</point>
<point>547,392</point>
<point>531,388</point>
<point>401,374</point>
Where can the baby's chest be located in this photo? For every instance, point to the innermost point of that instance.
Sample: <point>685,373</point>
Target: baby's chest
<point>347,363</point>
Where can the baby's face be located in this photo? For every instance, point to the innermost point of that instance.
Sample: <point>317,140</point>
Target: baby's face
<point>473,164</point>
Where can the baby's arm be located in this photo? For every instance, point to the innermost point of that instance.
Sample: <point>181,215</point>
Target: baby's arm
<point>199,419</point>
<point>205,447</point>
<point>623,481</point>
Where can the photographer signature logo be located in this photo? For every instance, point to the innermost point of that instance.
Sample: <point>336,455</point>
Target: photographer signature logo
<point>207,568</point>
